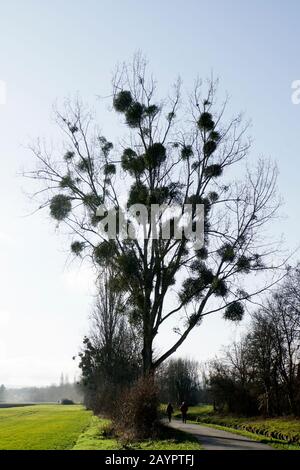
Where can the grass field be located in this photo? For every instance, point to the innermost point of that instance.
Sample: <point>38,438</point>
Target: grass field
<point>281,433</point>
<point>51,427</point>
<point>42,427</point>
<point>57,427</point>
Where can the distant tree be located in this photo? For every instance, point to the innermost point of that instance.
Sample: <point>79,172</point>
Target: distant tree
<point>261,373</point>
<point>283,326</point>
<point>179,381</point>
<point>174,153</point>
<point>231,381</point>
<point>66,401</point>
<point>48,394</point>
<point>261,344</point>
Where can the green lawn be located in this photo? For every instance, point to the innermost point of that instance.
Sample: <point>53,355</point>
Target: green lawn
<point>42,427</point>
<point>282,433</point>
<point>51,427</point>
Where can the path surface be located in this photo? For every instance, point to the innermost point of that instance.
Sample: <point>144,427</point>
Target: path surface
<point>215,439</point>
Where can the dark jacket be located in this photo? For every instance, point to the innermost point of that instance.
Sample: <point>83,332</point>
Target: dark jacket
<point>184,408</point>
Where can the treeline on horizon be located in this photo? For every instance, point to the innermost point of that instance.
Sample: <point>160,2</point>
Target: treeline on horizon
<point>47,394</point>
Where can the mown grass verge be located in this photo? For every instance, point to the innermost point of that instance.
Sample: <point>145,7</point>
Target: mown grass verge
<point>99,436</point>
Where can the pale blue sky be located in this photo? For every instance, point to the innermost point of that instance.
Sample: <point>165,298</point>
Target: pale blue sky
<point>50,50</point>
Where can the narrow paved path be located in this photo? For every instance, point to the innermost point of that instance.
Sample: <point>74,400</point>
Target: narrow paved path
<point>215,439</point>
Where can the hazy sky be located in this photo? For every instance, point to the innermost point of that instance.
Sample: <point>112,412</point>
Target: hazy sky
<point>53,49</point>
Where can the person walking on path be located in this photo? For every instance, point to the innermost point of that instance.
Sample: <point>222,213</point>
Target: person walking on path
<point>170,411</point>
<point>184,409</point>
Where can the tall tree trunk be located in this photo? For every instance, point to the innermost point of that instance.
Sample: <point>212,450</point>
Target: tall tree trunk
<point>147,351</point>
<point>147,326</point>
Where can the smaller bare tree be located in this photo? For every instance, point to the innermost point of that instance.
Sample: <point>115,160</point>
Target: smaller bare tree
<point>110,359</point>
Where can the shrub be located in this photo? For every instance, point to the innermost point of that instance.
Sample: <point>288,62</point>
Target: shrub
<point>107,430</point>
<point>136,413</point>
<point>66,401</point>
